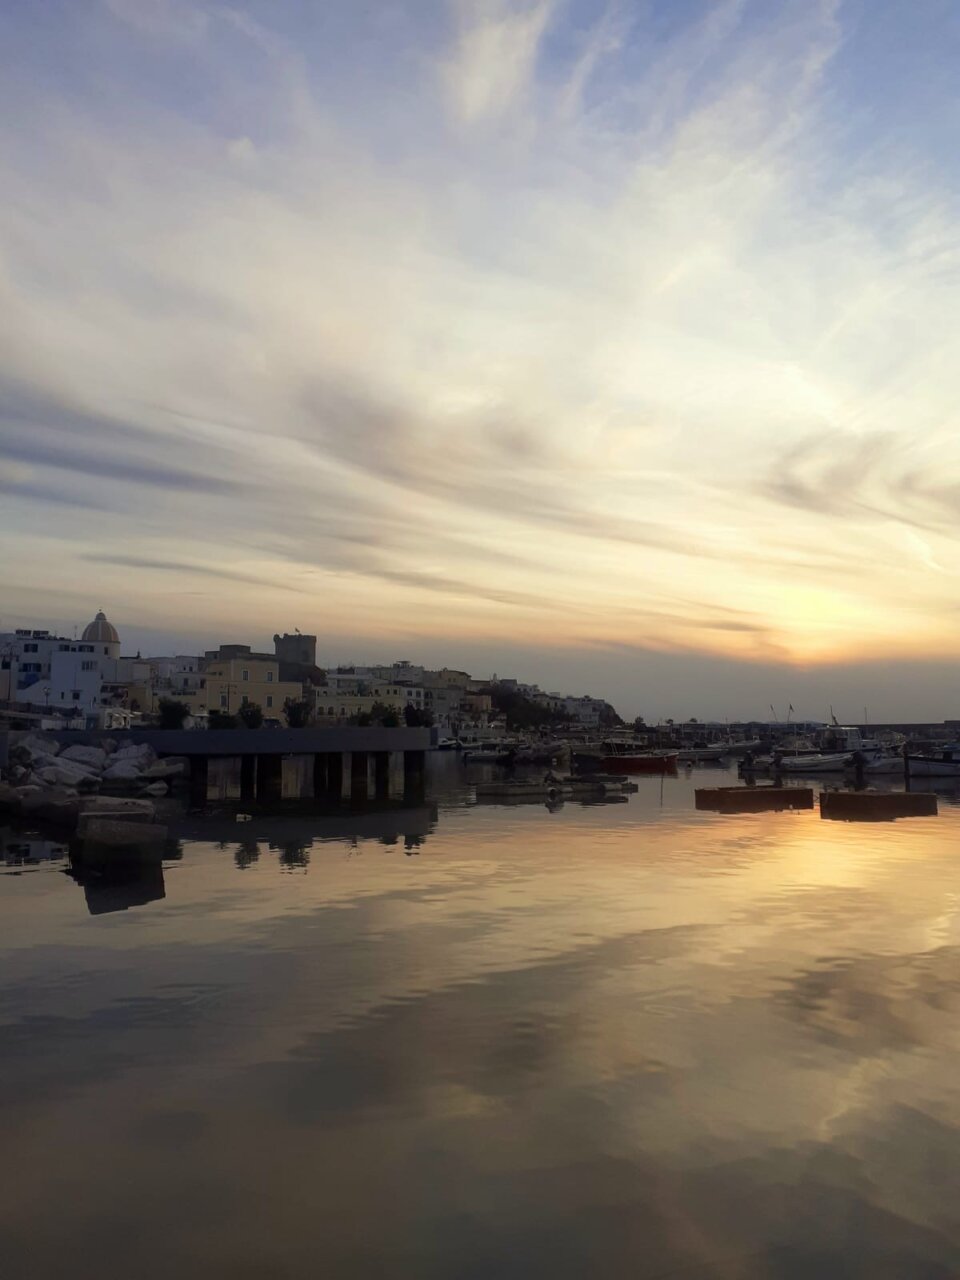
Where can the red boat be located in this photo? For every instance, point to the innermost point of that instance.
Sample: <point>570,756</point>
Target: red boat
<point>640,762</point>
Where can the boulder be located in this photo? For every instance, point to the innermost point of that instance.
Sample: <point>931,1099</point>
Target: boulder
<point>118,832</point>
<point>92,757</point>
<point>122,805</point>
<point>164,769</point>
<point>60,806</point>
<point>63,773</point>
<point>156,789</point>
<point>10,798</point>
<point>34,745</point>
<point>122,771</point>
<point>141,753</point>
<point>108,745</point>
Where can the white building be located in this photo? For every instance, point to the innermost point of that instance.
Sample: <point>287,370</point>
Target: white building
<point>52,671</point>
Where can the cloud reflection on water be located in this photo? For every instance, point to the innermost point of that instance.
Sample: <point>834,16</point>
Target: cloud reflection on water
<point>619,1041</point>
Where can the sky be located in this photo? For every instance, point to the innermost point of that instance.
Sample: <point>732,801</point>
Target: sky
<point>610,343</point>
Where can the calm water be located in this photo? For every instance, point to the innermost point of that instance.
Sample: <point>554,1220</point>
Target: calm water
<point>458,1041</point>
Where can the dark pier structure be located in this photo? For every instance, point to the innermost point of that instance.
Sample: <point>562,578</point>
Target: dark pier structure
<point>261,753</point>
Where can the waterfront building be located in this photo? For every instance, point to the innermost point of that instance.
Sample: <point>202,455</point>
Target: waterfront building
<point>234,675</point>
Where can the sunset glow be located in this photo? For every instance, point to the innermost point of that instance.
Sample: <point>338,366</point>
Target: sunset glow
<point>566,324</point>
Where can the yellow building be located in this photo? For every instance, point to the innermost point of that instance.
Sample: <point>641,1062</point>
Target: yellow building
<point>247,677</point>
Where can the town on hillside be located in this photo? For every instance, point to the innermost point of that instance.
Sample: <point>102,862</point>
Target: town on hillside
<point>54,681</point>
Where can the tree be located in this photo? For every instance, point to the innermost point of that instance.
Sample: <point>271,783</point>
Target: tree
<point>250,715</point>
<point>391,720</point>
<point>172,713</point>
<point>414,718</point>
<point>298,712</point>
<point>220,720</point>
<point>522,712</point>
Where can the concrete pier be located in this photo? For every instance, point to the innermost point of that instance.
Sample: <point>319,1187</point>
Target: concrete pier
<point>335,776</point>
<point>269,777</point>
<point>320,775</point>
<point>381,774</point>
<point>248,777</point>
<point>261,753</point>
<point>359,775</point>
<point>199,780</point>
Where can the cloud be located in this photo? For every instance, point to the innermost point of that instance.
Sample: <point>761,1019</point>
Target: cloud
<point>494,61</point>
<point>583,320</point>
<point>190,568</point>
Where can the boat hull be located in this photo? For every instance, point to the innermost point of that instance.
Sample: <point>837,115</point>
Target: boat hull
<point>658,763</point>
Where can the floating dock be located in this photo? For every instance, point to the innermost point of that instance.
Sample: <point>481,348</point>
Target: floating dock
<point>876,806</point>
<point>753,799</point>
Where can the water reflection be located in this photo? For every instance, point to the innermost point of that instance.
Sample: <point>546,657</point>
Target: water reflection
<point>632,1039</point>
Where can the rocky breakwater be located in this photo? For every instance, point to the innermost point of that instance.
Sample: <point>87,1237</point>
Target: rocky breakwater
<point>46,779</point>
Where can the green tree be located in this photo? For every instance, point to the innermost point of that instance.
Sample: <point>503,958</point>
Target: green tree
<point>250,715</point>
<point>390,720</point>
<point>414,718</point>
<point>172,713</point>
<point>298,711</point>
<point>220,720</point>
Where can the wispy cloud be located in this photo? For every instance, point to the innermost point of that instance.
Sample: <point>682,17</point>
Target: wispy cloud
<point>567,321</point>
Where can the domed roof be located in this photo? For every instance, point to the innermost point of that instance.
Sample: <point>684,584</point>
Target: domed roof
<point>100,631</point>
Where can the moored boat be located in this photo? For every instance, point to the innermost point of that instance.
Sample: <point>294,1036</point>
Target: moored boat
<point>632,760</point>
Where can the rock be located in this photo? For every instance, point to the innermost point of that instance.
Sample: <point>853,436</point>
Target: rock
<point>92,757</point>
<point>60,806</point>
<point>34,745</point>
<point>64,773</point>
<point>19,774</point>
<point>126,806</point>
<point>141,753</point>
<point>165,769</point>
<point>108,745</point>
<point>10,798</point>
<point>118,832</point>
<point>156,789</point>
<point>122,771</point>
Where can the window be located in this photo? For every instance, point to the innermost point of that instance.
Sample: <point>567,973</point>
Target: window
<point>31,648</point>
<point>269,677</point>
<point>88,666</point>
<point>223,699</point>
<point>105,649</point>
<point>244,675</point>
<point>62,696</point>
<point>244,700</point>
<point>269,699</point>
<point>76,695</point>
<point>63,648</point>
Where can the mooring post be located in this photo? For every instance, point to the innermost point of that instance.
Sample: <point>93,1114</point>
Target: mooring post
<point>414,770</point>
<point>906,767</point>
<point>359,774</point>
<point>269,777</point>
<point>199,780</point>
<point>381,774</point>
<point>248,777</point>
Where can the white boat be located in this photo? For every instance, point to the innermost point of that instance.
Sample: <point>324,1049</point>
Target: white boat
<point>835,762</point>
<point>840,745</point>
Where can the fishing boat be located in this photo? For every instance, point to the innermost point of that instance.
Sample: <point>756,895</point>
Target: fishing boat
<point>838,749</point>
<point>490,754</point>
<point>946,765</point>
<point>701,755</point>
<point>627,757</point>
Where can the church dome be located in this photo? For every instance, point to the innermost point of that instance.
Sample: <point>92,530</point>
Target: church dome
<point>100,631</point>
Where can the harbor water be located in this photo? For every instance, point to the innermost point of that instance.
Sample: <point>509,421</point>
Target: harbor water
<point>445,1039</point>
